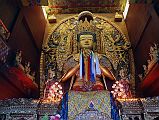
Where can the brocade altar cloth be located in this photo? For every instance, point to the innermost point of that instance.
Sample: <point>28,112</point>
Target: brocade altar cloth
<point>79,102</point>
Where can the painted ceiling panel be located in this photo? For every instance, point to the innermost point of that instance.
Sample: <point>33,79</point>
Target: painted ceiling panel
<point>76,6</point>
<point>82,3</point>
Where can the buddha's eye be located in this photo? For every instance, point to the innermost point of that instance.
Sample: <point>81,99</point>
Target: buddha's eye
<point>82,39</point>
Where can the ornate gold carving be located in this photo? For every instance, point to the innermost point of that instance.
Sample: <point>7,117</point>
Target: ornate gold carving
<point>76,57</point>
<point>86,26</point>
<point>110,41</point>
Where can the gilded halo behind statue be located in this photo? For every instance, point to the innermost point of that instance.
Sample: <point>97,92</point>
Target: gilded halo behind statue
<point>87,36</point>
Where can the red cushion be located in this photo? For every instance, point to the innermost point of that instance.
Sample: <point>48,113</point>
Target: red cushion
<point>77,88</point>
<point>98,87</point>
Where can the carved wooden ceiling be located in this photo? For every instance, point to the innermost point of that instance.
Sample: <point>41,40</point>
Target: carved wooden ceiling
<point>76,6</point>
<point>69,6</point>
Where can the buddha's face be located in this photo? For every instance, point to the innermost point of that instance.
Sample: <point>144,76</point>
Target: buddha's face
<point>86,41</point>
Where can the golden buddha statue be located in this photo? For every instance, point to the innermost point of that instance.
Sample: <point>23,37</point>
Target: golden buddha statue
<point>85,67</point>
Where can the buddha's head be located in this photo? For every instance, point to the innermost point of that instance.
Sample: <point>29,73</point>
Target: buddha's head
<point>86,40</point>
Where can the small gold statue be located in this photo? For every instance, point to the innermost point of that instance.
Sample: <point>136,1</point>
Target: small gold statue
<point>154,52</point>
<point>27,68</point>
<point>51,74</point>
<point>154,56</point>
<point>124,83</point>
<point>145,69</point>
<point>18,59</point>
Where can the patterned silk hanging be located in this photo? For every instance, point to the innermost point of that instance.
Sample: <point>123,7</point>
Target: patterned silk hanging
<point>98,71</point>
<point>92,68</point>
<point>89,67</point>
<point>81,65</point>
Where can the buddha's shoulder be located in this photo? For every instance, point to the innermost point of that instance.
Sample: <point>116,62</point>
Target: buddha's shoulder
<point>70,62</point>
<point>76,56</point>
<point>73,58</point>
<point>100,56</point>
